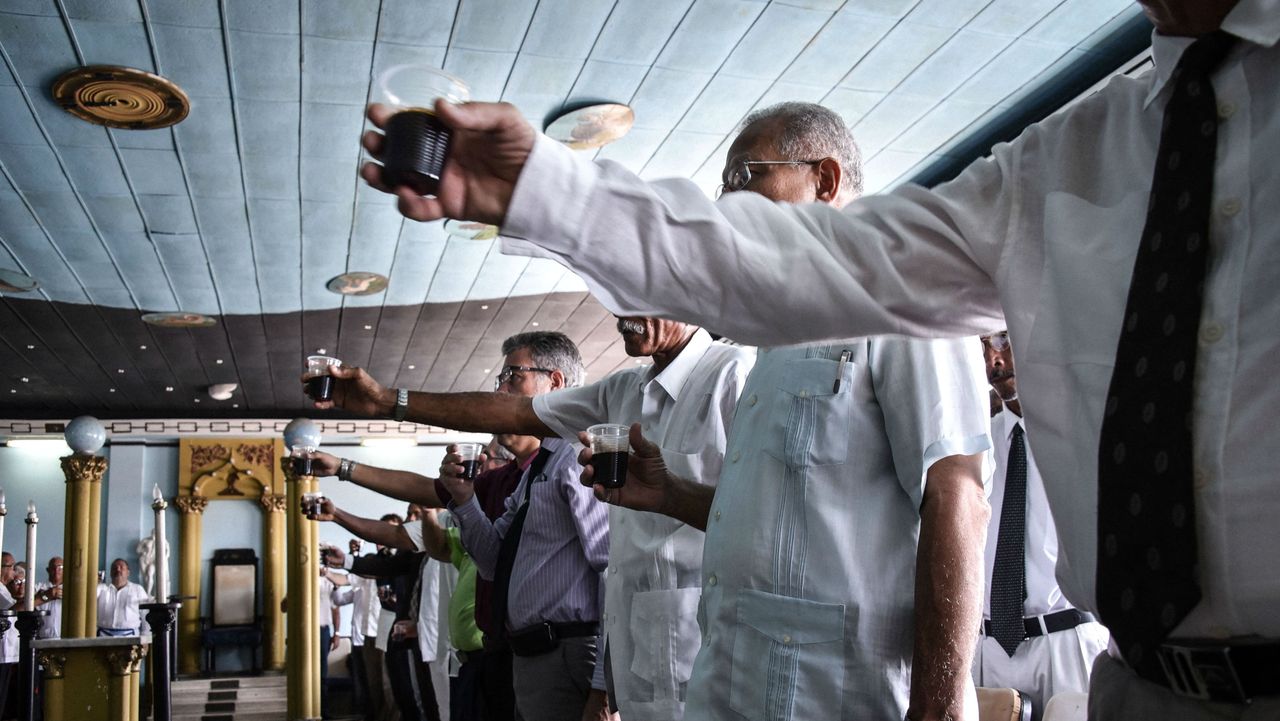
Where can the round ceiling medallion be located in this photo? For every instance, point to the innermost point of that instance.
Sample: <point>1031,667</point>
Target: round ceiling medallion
<point>179,320</point>
<point>11,281</point>
<point>358,283</point>
<point>592,126</point>
<point>120,97</point>
<point>470,229</point>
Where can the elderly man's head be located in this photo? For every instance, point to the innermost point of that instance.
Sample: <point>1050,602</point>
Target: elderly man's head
<point>539,362</point>
<point>643,336</point>
<point>797,153</point>
<point>119,572</point>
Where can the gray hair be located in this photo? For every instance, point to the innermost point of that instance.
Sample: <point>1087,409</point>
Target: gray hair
<point>550,350</point>
<point>808,131</point>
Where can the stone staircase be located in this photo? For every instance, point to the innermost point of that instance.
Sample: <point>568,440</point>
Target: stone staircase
<point>249,698</point>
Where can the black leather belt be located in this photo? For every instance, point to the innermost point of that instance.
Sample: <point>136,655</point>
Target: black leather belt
<point>1048,623</point>
<point>542,637</point>
<point>1214,671</point>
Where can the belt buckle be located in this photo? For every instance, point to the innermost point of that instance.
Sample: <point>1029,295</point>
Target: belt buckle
<point>1201,672</point>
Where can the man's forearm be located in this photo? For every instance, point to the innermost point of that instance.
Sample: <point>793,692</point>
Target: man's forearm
<point>948,598</point>
<point>374,531</point>
<point>400,485</point>
<point>688,502</point>
<point>476,412</point>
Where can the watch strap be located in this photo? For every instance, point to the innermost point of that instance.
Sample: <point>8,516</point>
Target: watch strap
<point>402,404</point>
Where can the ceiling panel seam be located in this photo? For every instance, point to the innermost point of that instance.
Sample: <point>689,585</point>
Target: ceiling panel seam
<point>488,252</point>
<point>493,316</point>
<point>574,85</point>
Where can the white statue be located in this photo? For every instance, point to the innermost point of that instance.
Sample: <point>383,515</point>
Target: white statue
<point>146,550</point>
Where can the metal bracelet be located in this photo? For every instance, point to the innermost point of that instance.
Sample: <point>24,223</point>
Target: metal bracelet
<point>345,467</point>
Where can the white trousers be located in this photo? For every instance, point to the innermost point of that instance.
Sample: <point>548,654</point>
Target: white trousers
<point>1118,694</point>
<point>1042,666</point>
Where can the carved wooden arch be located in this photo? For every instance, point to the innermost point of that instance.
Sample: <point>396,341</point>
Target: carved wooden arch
<point>230,469</point>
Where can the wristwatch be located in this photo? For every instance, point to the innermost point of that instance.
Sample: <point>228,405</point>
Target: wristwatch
<point>345,467</point>
<point>402,404</point>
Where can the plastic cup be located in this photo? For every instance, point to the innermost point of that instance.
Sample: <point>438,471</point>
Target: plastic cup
<point>610,447</point>
<point>319,382</point>
<point>470,453</point>
<point>417,142</point>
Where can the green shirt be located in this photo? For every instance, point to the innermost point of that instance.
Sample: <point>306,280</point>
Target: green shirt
<point>463,631</point>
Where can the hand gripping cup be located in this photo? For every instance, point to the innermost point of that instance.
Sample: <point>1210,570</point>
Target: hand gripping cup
<point>319,382</point>
<point>610,447</point>
<point>470,453</point>
<point>416,143</point>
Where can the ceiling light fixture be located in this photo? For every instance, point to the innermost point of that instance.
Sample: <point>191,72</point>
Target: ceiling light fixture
<point>36,442</point>
<point>179,320</point>
<point>120,97</point>
<point>411,366</point>
<point>534,324</point>
<point>591,126</point>
<point>388,442</point>
<point>357,282</point>
<point>168,389</point>
<point>470,230</point>
<point>222,391</point>
<point>368,327</point>
<point>11,281</point>
<point>30,347</point>
<point>142,347</point>
<point>219,361</point>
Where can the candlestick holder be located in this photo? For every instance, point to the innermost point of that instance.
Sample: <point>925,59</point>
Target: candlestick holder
<point>28,624</point>
<point>161,617</point>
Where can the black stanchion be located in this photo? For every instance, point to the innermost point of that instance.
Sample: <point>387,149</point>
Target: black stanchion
<point>160,616</point>
<point>28,624</point>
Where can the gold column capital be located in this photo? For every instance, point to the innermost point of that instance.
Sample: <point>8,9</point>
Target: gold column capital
<point>191,504</point>
<point>54,663</point>
<point>124,661</point>
<point>274,502</point>
<point>286,465</point>
<point>82,467</point>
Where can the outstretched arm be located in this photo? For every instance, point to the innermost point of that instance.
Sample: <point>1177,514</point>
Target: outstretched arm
<point>357,391</point>
<point>379,532</point>
<point>401,485</point>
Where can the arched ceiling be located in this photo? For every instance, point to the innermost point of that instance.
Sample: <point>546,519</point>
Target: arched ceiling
<point>246,209</point>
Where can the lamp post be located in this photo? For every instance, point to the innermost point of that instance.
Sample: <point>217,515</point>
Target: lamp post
<point>161,614</point>
<point>303,660</point>
<point>28,624</point>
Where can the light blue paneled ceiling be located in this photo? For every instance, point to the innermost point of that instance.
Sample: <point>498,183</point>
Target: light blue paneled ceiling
<point>253,203</point>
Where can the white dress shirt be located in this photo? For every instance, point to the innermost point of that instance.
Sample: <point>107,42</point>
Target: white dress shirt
<point>10,643</point>
<point>1047,229</point>
<point>50,624</point>
<point>429,608</point>
<point>810,548</point>
<point>364,608</point>
<point>118,607</point>
<point>655,562</point>
<point>1043,594</point>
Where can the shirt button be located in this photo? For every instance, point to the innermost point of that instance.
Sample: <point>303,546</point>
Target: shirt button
<point>735,457</point>
<point>711,580</point>
<point>1229,207</point>
<point>804,394</point>
<point>717,515</point>
<point>1210,333</point>
<point>613,571</point>
<point>1226,109</point>
<point>786,639</point>
<point>752,400</point>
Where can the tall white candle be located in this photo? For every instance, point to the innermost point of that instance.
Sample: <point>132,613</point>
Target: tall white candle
<point>29,596</point>
<point>160,546</point>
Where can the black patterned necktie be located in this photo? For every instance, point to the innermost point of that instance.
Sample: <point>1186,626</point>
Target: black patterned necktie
<point>1009,574</point>
<point>1146,582</point>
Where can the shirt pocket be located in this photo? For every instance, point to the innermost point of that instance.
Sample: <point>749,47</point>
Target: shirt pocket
<point>811,418</point>
<point>788,658</point>
<point>664,636</point>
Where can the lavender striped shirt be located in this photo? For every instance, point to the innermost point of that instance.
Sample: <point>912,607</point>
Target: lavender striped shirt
<point>563,550</point>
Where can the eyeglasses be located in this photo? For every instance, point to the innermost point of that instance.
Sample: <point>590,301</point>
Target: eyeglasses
<point>507,372</point>
<point>738,174</point>
<point>998,342</point>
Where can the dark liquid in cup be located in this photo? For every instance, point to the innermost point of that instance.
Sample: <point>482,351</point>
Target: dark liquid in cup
<point>302,466</point>
<point>610,468</point>
<point>414,151</point>
<point>470,469</point>
<point>320,388</point>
